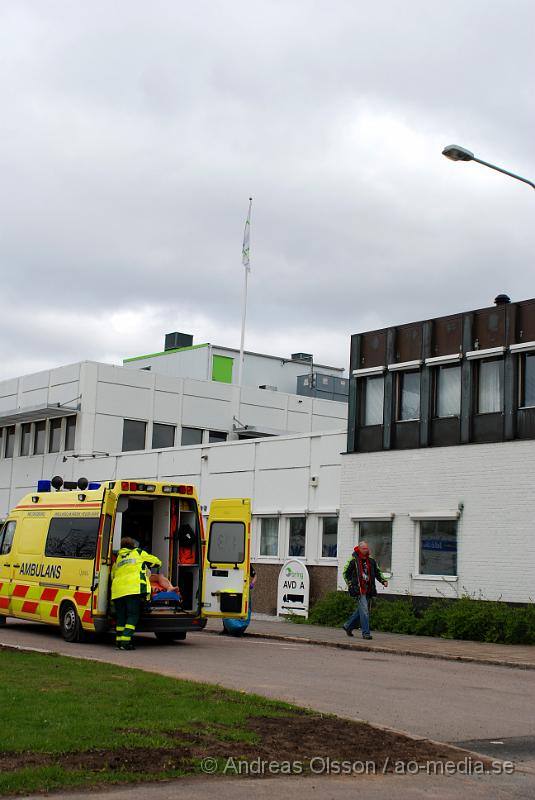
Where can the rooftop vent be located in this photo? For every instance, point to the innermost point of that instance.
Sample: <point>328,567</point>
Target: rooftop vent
<point>308,357</point>
<point>502,299</point>
<point>175,340</point>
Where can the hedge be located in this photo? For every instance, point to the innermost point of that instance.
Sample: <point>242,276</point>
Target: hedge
<point>466,618</point>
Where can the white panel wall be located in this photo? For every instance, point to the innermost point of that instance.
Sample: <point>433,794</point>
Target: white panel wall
<point>496,531</point>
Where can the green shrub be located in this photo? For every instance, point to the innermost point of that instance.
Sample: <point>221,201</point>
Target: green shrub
<point>468,617</point>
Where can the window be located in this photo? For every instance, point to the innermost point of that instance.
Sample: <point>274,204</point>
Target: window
<point>162,435</point>
<point>72,537</point>
<point>39,438</point>
<point>374,390</point>
<point>9,441</point>
<point>191,436</point>
<point>217,436</point>
<point>296,544</point>
<point>408,395</point>
<point>448,391</point>
<point>490,386</point>
<point>438,547</point>
<point>70,433</point>
<point>227,543</point>
<point>527,387</point>
<point>54,436</point>
<point>6,537</point>
<point>269,536</point>
<point>25,438</point>
<point>134,434</point>
<point>378,534</point>
<point>329,537</point>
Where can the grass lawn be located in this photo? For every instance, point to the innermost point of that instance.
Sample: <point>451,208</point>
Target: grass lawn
<point>54,707</point>
<point>69,722</point>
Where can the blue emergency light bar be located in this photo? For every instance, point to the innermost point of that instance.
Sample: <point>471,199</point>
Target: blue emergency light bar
<point>44,486</point>
<point>94,486</point>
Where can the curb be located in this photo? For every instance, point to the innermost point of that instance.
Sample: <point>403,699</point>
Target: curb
<point>398,651</point>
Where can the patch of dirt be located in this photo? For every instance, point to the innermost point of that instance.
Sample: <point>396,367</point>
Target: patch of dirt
<point>292,738</point>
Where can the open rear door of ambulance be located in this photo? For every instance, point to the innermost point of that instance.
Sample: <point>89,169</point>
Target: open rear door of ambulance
<point>225,591</point>
<point>103,555</point>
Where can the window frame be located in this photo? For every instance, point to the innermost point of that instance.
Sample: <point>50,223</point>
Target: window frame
<point>321,519</point>
<point>191,428</point>
<point>522,358</point>
<point>400,376</point>
<point>429,576</point>
<point>363,395</point>
<point>259,519</point>
<point>477,387</point>
<point>66,434</point>
<point>95,519</point>
<point>134,449</point>
<point>362,537</point>
<point>437,370</point>
<point>289,519</point>
<point>3,532</point>
<point>51,428</point>
<point>6,440</point>
<point>163,425</point>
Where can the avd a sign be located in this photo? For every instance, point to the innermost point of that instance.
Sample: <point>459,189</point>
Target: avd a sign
<point>293,589</point>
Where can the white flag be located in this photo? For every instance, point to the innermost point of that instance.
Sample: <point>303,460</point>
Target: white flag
<point>246,239</point>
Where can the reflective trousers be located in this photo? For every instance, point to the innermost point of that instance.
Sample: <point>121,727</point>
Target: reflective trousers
<point>128,609</point>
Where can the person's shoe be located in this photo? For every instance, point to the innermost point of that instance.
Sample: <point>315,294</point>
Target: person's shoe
<point>128,646</point>
<point>348,632</point>
<point>367,636</point>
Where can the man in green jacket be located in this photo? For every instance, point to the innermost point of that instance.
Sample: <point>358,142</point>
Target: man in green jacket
<point>360,574</point>
<point>129,585</point>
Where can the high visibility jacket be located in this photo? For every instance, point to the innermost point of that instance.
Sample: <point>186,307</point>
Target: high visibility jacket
<point>129,575</point>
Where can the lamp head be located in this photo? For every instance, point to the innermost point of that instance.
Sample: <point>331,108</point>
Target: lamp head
<point>456,153</point>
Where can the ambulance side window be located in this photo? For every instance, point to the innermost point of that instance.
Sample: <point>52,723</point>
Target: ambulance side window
<point>71,537</point>
<point>106,530</point>
<point>227,543</point>
<point>6,537</point>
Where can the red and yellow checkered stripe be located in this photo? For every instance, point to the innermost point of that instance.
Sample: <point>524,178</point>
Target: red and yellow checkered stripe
<point>43,602</point>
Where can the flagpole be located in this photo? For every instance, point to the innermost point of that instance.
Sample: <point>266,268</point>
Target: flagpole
<point>247,269</point>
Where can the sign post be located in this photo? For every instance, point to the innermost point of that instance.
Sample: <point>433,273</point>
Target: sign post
<point>293,589</point>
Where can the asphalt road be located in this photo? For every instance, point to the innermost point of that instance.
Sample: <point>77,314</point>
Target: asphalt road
<point>476,705</point>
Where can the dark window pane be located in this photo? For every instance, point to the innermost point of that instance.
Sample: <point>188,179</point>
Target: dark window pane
<point>39,438</point>
<point>438,547</point>
<point>6,537</point>
<point>216,436</point>
<point>227,543</point>
<point>490,394</point>
<point>70,433</point>
<point>374,389</point>
<point>329,537</point>
<point>191,436</point>
<point>70,537</point>
<point>448,399</point>
<point>163,435</point>
<point>269,536</point>
<point>378,534</point>
<point>134,434</point>
<point>296,545</point>
<point>54,438</point>
<point>25,438</point>
<point>528,393</point>
<point>9,441</point>
<point>409,395</point>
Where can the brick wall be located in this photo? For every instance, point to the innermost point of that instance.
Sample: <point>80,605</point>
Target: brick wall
<point>322,580</point>
<point>496,531</point>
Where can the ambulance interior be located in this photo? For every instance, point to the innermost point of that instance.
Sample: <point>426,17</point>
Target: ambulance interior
<point>168,528</point>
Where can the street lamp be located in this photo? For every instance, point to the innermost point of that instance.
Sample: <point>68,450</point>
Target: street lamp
<point>456,153</point>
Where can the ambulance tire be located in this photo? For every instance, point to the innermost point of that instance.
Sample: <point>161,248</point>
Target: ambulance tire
<point>70,625</point>
<point>165,637</point>
<point>3,619</point>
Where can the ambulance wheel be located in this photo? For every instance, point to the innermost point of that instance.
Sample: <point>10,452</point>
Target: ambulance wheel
<point>164,637</point>
<point>70,625</point>
<point>3,620</point>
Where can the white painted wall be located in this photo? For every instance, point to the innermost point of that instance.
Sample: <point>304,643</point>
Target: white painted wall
<point>258,369</point>
<point>496,531</point>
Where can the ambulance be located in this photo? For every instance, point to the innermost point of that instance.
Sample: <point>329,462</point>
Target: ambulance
<point>57,548</point>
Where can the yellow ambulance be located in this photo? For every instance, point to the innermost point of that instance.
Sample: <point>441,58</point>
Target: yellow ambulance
<point>57,549</point>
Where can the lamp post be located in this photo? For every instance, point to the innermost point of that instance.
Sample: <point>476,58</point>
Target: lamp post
<point>456,153</point>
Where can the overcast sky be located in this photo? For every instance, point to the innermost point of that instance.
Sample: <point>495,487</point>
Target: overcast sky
<point>132,134</point>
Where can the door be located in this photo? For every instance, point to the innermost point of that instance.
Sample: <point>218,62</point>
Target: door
<point>225,586</point>
<point>103,556</point>
<point>6,571</point>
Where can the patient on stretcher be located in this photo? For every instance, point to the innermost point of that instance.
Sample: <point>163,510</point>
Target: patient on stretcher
<point>159,583</point>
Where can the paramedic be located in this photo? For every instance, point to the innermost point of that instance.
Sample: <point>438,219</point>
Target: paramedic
<point>129,587</point>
